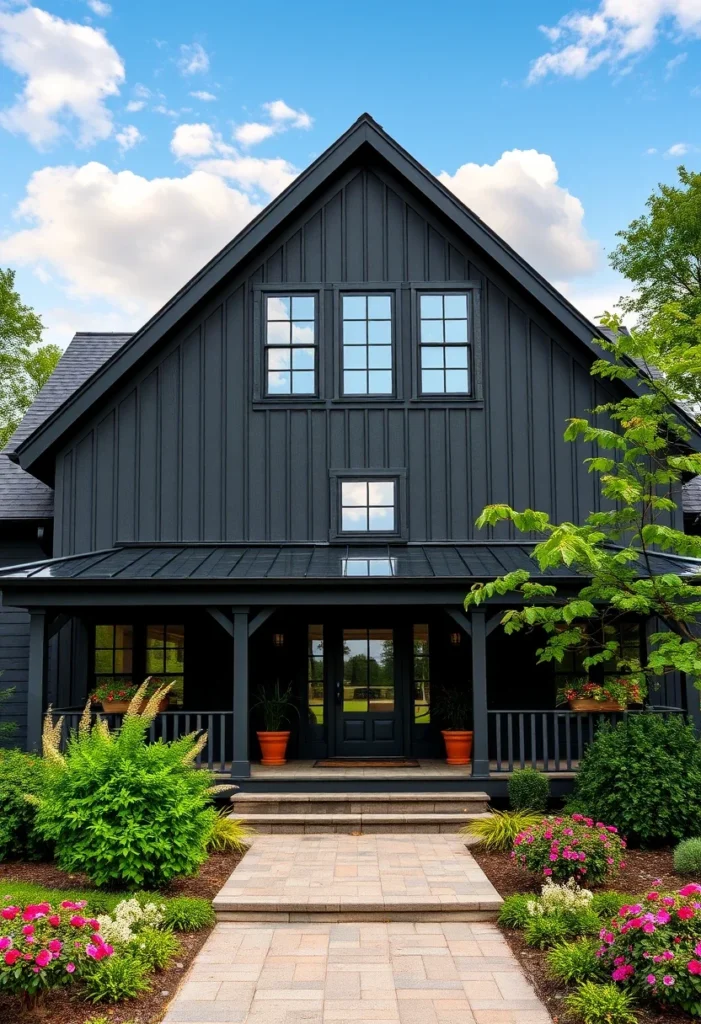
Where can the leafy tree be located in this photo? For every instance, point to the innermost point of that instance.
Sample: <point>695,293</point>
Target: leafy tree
<point>660,252</point>
<point>25,364</point>
<point>640,466</point>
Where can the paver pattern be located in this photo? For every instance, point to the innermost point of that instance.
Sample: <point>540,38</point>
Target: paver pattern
<point>335,872</point>
<point>384,973</point>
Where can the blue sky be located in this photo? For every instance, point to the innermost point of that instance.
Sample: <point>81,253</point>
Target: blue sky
<point>127,155</point>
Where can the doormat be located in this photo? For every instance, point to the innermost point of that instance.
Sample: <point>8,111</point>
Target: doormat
<point>343,762</point>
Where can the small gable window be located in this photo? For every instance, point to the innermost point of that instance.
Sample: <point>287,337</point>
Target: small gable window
<point>444,344</point>
<point>367,345</point>
<point>290,345</point>
<point>368,506</point>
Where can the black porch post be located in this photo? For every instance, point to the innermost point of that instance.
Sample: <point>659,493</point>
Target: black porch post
<point>693,703</point>
<point>36,680</point>
<point>480,739</point>
<point>240,763</point>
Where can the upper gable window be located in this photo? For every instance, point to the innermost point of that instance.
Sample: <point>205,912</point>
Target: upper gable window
<point>368,506</point>
<point>444,344</point>
<point>367,345</point>
<point>290,345</point>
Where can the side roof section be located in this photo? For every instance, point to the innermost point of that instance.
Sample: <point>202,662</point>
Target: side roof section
<point>21,495</point>
<point>364,135</point>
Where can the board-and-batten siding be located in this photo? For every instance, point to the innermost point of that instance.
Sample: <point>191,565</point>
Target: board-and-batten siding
<point>183,453</point>
<point>14,645</point>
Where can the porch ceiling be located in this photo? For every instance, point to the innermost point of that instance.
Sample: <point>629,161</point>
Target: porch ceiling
<point>343,564</point>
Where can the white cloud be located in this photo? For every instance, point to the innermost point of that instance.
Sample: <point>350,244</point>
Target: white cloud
<point>253,132</point>
<point>678,149</point>
<point>617,31</point>
<point>100,8</point>
<point>134,106</point>
<point>594,300</point>
<point>202,94</point>
<point>651,151</point>
<point>123,238</point>
<point>194,59</point>
<point>128,137</point>
<point>672,65</point>
<point>279,111</point>
<point>282,118</point>
<point>70,70</point>
<point>519,197</point>
<point>192,141</point>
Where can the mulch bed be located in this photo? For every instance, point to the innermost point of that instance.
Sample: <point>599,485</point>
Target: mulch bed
<point>642,866</point>
<point>60,1007</point>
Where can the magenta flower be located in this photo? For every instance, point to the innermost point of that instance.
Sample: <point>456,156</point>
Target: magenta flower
<point>668,980</point>
<point>697,949</point>
<point>77,921</point>
<point>685,913</point>
<point>70,968</point>
<point>43,958</point>
<point>690,889</point>
<point>668,901</point>
<point>54,920</point>
<point>648,927</point>
<point>9,913</point>
<point>663,917</point>
<point>55,946</point>
<point>28,929</point>
<point>668,955</point>
<point>12,956</point>
<point>694,966</point>
<point>5,942</point>
<point>651,979</point>
<point>547,871</point>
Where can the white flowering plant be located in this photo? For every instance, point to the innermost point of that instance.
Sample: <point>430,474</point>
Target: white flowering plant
<point>128,918</point>
<point>560,899</point>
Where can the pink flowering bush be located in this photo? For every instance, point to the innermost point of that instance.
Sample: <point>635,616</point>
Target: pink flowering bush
<point>576,847</point>
<point>653,948</point>
<point>42,947</point>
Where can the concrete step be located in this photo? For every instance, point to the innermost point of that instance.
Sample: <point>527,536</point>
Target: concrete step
<point>356,823</point>
<point>358,803</point>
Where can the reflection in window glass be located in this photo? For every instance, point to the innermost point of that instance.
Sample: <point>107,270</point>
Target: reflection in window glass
<point>629,652</point>
<point>114,654</point>
<point>369,566</point>
<point>444,344</point>
<point>165,657</point>
<point>368,506</point>
<point>290,345</point>
<point>422,676</point>
<point>368,670</point>
<point>367,345</point>
<point>315,673</point>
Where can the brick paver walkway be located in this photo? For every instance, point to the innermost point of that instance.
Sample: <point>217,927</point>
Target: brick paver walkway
<point>355,972</point>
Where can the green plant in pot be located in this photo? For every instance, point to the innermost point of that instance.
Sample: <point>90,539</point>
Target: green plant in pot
<point>276,706</point>
<point>453,708</point>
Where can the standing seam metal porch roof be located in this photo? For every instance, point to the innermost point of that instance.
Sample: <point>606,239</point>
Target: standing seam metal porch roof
<point>210,563</point>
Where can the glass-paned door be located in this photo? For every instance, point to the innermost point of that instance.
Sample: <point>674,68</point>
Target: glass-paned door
<point>367,713</point>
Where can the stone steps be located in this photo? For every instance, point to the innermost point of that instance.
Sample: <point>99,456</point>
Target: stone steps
<point>311,824</point>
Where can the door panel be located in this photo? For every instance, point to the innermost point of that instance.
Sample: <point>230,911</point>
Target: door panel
<point>368,719</point>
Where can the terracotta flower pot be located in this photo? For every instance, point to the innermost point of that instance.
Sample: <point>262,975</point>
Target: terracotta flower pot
<point>458,746</point>
<point>585,704</point>
<point>273,747</point>
<point>119,707</point>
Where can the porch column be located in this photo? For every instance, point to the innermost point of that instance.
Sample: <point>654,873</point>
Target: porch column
<point>693,703</point>
<point>480,724</point>
<point>36,679</point>
<point>240,763</point>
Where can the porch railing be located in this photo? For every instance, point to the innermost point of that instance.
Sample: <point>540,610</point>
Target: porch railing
<point>550,741</point>
<point>170,725</point>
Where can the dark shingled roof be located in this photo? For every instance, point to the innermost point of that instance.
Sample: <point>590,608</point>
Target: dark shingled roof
<point>21,495</point>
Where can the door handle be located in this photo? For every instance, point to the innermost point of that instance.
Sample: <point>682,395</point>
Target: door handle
<point>339,692</point>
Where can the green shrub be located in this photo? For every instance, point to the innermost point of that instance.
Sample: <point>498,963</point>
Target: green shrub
<point>188,914</point>
<point>514,911</point>
<point>545,930</point>
<point>126,812</point>
<point>497,833</point>
<point>562,848</point>
<point>120,977</point>
<point>644,775</point>
<point>20,775</point>
<point>155,948</point>
<point>575,961</point>
<point>601,1004</point>
<point>529,790</point>
<point>228,835</point>
<point>607,904</point>
<point>687,857</point>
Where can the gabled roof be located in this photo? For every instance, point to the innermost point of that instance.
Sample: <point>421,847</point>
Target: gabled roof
<point>365,136</point>
<point>21,495</point>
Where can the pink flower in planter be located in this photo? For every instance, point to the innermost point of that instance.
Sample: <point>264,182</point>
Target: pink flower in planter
<point>9,913</point>
<point>12,956</point>
<point>690,889</point>
<point>43,958</point>
<point>70,968</point>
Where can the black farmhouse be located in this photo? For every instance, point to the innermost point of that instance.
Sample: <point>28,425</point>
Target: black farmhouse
<point>277,479</point>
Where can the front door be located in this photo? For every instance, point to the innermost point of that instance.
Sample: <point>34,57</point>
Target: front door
<point>367,708</point>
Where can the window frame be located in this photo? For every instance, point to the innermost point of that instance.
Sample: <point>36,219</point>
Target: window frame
<point>261,294</point>
<point>368,537</point>
<point>139,632</point>
<point>472,291</point>
<point>367,289</point>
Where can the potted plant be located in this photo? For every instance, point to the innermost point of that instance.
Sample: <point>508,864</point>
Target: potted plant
<point>275,706</point>
<point>583,695</point>
<point>114,698</point>
<point>453,708</point>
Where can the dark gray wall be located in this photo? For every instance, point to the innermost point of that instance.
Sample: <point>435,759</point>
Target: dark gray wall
<point>14,642</point>
<point>182,453</point>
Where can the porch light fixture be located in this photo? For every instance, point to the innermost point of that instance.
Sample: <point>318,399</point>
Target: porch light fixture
<point>455,639</point>
<point>278,639</point>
